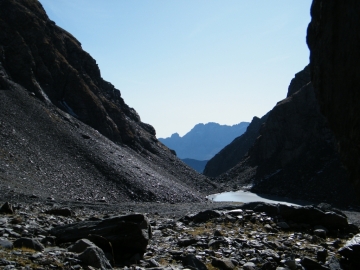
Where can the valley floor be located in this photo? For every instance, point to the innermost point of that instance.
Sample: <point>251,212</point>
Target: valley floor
<point>243,239</point>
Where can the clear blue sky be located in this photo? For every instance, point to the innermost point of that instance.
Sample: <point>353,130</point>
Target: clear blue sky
<point>183,62</point>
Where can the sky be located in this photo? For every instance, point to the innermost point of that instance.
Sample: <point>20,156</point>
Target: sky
<point>183,62</point>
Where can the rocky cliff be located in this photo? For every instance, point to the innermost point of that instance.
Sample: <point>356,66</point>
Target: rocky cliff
<point>295,153</point>
<point>231,154</point>
<point>334,41</point>
<point>67,133</point>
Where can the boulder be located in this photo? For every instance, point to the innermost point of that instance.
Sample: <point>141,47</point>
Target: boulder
<point>104,244</point>
<point>30,243</point>
<point>65,212</point>
<point>205,216</point>
<point>194,263</point>
<point>351,249</point>
<point>313,215</point>
<point>128,235</point>
<point>224,264</point>
<point>80,245</point>
<point>7,208</point>
<point>302,214</point>
<point>6,244</point>
<point>311,264</point>
<point>270,209</point>
<point>95,257</point>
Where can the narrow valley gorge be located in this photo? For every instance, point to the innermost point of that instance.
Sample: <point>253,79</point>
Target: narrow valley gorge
<point>85,184</point>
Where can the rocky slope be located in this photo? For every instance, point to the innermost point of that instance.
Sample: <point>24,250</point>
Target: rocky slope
<point>295,153</point>
<point>203,141</point>
<point>231,154</point>
<point>334,43</point>
<point>65,132</point>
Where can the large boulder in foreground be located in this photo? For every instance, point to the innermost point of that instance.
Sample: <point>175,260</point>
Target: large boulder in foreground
<point>128,235</point>
<point>333,39</point>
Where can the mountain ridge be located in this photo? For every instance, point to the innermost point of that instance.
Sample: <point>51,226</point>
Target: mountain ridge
<point>203,141</point>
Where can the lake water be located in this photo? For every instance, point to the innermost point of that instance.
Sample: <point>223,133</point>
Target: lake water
<point>246,197</point>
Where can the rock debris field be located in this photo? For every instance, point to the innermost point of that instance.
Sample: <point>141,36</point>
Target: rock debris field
<point>51,235</point>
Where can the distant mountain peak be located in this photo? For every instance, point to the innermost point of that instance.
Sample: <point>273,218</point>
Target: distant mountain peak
<point>203,141</point>
<point>175,135</point>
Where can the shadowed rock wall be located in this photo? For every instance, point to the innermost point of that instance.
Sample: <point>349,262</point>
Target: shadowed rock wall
<point>49,61</point>
<point>334,42</point>
<point>231,154</point>
<point>295,153</point>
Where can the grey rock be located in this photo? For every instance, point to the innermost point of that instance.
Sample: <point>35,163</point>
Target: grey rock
<point>269,266</point>
<point>321,255</point>
<point>334,264</point>
<point>269,253</point>
<point>194,263</point>
<point>28,243</point>
<point>184,242</point>
<point>81,245</point>
<point>290,263</point>
<point>351,249</point>
<point>153,263</point>
<point>310,264</point>
<point>95,257</point>
<point>7,208</point>
<point>314,216</point>
<point>6,262</point>
<point>206,215</point>
<point>270,209</point>
<point>6,244</point>
<point>105,245</point>
<point>320,233</point>
<point>224,264</point>
<point>249,266</point>
<point>127,234</point>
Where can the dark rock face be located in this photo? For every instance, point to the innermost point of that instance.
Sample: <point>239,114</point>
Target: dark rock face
<point>231,154</point>
<point>65,132</point>
<point>203,141</point>
<point>295,153</point>
<point>334,43</point>
<point>50,62</point>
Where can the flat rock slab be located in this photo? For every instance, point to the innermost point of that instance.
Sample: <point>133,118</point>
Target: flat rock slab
<point>128,235</point>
